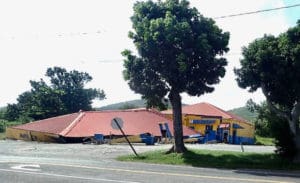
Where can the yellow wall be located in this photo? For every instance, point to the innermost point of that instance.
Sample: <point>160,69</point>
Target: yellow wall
<point>133,139</point>
<point>246,131</point>
<point>187,121</point>
<point>169,116</point>
<point>18,134</point>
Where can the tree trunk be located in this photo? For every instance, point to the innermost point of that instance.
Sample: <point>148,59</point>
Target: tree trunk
<point>297,143</point>
<point>292,117</point>
<point>175,100</point>
<point>294,122</point>
<point>294,126</point>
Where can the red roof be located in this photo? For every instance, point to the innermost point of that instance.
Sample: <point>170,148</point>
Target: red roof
<point>51,125</point>
<point>86,124</point>
<point>206,109</point>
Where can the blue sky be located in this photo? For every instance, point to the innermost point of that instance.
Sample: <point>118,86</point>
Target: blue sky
<point>90,35</point>
<point>292,14</point>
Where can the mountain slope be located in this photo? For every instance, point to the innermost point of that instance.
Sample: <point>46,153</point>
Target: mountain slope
<point>125,105</point>
<point>244,113</point>
<point>139,103</point>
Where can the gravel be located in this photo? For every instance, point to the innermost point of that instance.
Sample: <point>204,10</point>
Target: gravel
<point>105,151</point>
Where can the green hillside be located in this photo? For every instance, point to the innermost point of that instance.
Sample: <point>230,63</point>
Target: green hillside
<point>244,113</point>
<point>139,103</point>
<point>2,110</point>
<point>125,105</point>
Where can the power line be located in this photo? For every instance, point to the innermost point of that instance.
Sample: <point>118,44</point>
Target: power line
<point>54,35</point>
<point>258,11</point>
<point>110,61</point>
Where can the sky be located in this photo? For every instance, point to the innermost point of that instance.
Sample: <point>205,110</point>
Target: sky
<point>89,35</point>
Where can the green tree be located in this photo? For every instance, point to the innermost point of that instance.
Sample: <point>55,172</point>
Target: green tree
<point>268,124</point>
<point>66,94</point>
<point>273,64</point>
<point>41,102</point>
<point>71,85</point>
<point>2,112</point>
<point>12,112</point>
<point>179,50</point>
<point>261,121</point>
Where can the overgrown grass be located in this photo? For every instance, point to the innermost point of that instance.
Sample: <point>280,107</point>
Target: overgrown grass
<point>215,159</point>
<point>264,141</point>
<point>2,136</point>
<point>4,124</point>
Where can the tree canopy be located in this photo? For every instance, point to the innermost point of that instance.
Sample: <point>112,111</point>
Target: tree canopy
<point>273,64</point>
<point>65,94</point>
<point>178,51</point>
<point>268,124</point>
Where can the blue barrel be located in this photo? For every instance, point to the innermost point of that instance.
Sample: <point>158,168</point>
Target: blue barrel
<point>147,139</point>
<point>99,137</point>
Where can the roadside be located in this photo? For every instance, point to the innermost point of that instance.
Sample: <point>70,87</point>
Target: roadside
<point>110,151</point>
<point>216,159</point>
<point>79,155</point>
<point>2,136</point>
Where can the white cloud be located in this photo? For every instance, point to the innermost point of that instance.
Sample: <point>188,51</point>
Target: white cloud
<point>80,34</point>
<point>243,30</point>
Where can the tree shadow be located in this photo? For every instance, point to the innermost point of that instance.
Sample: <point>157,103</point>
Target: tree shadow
<point>238,161</point>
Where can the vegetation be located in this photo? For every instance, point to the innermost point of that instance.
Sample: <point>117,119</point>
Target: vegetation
<point>65,94</point>
<point>268,124</point>
<point>179,50</point>
<point>4,124</point>
<point>267,141</point>
<point>2,136</point>
<point>140,103</point>
<point>136,103</point>
<point>273,64</point>
<point>215,159</point>
<point>245,113</point>
<point>2,112</point>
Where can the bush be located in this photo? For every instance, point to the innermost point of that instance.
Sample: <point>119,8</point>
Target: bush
<point>285,145</point>
<point>2,126</point>
<point>268,124</point>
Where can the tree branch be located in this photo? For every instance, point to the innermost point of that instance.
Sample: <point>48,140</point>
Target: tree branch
<point>291,116</point>
<point>279,112</point>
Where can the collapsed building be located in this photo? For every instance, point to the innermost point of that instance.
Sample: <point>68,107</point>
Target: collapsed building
<point>202,123</point>
<point>216,124</point>
<point>78,126</point>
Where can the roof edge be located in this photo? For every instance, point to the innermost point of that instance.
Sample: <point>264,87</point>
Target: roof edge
<point>72,124</point>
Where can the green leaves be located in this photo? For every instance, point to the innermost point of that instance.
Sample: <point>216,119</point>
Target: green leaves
<point>177,48</point>
<point>275,63</point>
<point>66,94</point>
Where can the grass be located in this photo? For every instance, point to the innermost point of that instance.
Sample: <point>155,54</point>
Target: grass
<point>215,159</point>
<point>264,141</point>
<point>2,136</point>
<point>4,124</point>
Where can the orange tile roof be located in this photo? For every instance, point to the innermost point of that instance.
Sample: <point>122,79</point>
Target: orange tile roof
<point>206,109</point>
<point>86,124</point>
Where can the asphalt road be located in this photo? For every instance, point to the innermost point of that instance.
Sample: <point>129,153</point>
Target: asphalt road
<point>30,162</point>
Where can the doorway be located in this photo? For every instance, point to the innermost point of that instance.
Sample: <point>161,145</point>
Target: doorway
<point>225,136</point>
<point>234,137</point>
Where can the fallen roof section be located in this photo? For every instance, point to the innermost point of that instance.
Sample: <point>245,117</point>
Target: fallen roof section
<point>89,123</point>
